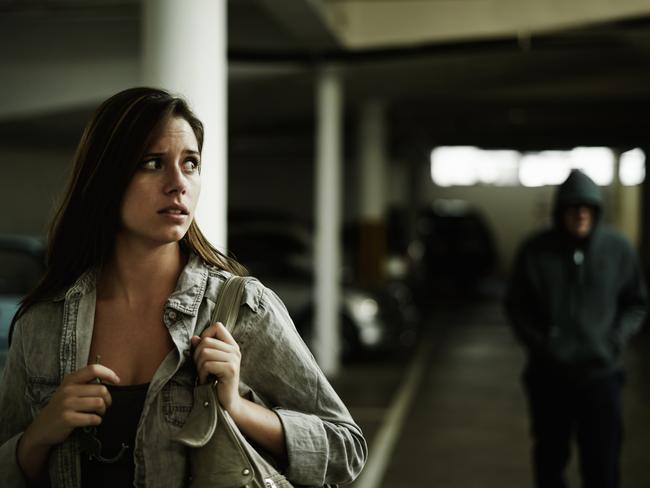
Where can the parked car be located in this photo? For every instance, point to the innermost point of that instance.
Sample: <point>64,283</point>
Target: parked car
<point>279,253</point>
<point>454,249</point>
<point>22,264</point>
<point>395,290</point>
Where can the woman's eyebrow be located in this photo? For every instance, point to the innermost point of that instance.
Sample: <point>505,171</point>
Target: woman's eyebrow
<point>160,154</point>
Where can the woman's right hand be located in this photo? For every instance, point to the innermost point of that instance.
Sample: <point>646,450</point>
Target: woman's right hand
<point>77,402</point>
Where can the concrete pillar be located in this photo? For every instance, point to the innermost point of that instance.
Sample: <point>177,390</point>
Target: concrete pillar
<point>628,204</point>
<point>615,191</point>
<point>644,248</point>
<point>419,182</point>
<point>184,51</point>
<point>373,193</point>
<point>329,113</point>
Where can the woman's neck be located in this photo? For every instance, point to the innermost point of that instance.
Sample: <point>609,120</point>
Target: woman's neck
<point>137,275</point>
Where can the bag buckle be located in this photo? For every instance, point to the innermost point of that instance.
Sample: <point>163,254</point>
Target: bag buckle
<point>269,483</point>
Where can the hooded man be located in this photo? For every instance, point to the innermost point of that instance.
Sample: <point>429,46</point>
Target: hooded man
<point>575,297</point>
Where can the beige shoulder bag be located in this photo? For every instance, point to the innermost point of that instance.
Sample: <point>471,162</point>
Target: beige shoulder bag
<point>220,456</point>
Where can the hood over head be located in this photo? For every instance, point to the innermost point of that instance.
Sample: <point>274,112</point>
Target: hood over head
<point>577,189</point>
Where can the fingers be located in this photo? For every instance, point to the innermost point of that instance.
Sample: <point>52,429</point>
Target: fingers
<point>215,356</point>
<point>78,419</point>
<point>222,370</point>
<point>92,372</point>
<point>211,343</point>
<point>218,363</point>
<point>80,396</point>
<point>86,405</point>
<point>215,337</point>
<point>208,354</point>
<point>210,331</point>
<point>216,352</point>
<point>91,390</point>
<point>219,331</point>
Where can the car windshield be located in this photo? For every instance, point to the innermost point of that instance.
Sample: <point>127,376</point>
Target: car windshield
<point>19,272</point>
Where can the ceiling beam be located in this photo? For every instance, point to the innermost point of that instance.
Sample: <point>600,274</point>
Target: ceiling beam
<point>305,20</point>
<point>363,24</point>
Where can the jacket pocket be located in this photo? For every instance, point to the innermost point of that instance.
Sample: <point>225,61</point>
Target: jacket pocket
<point>39,392</point>
<point>177,399</point>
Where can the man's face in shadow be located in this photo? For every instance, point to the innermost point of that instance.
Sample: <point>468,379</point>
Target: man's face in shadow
<point>579,220</point>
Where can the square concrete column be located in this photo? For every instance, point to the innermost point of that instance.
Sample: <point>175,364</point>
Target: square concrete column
<point>184,51</point>
<point>373,194</point>
<point>329,99</point>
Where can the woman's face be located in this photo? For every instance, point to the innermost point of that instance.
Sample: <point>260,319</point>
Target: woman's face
<point>159,203</point>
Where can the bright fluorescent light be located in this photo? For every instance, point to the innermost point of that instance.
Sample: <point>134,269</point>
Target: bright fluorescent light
<point>632,167</point>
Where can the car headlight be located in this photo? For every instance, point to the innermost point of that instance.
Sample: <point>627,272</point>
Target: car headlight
<point>367,309</point>
<point>364,312</point>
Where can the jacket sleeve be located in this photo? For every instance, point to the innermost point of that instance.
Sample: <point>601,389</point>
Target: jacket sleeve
<point>14,411</point>
<point>324,444</point>
<point>633,303</point>
<point>520,306</point>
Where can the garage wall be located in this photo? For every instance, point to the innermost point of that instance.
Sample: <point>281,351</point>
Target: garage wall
<point>32,181</point>
<point>513,213</point>
<point>272,185</point>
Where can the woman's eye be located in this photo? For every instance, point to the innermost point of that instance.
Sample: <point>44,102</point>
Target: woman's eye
<point>150,164</point>
<point>192,165</point>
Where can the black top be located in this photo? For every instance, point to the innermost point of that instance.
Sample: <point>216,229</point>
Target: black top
<point>112,465</point>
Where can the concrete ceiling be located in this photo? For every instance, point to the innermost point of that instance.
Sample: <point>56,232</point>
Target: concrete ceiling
<point>362,24</point>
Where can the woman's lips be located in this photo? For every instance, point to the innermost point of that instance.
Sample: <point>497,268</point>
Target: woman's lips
<point>173,215</point>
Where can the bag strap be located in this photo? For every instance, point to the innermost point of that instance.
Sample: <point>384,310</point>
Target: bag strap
<point>227,308</point>
<point>226,311</point>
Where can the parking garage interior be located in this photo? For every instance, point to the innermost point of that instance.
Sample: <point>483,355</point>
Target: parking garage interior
<point>437,390</point>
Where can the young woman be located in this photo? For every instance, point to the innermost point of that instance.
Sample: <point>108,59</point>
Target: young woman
<point>107,350</point>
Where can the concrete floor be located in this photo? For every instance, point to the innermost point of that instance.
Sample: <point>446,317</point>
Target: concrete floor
<point>466,424</point>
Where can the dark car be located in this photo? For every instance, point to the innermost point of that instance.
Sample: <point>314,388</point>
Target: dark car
<point>280,255</point>
<point>21,267</point>
<point>454,249</point>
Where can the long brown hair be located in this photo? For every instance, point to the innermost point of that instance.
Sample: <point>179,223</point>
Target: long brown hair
<point>82,232</point>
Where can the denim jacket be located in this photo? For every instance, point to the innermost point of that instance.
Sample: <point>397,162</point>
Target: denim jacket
<point>324,444</point>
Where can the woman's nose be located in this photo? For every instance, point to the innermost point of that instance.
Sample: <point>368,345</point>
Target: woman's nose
<point>174,180</point>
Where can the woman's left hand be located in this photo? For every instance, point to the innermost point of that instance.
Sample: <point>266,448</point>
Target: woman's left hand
<point>217,353</point>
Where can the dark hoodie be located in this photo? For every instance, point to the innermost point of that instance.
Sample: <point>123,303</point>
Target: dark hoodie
<point>573,302</point>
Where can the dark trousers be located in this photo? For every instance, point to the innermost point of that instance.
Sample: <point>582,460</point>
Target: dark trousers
<point>591,411</point>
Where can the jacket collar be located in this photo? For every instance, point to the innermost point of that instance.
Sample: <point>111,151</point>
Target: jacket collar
<point>190,287</point>
<point>186,298</point>
<point>84,284</point>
